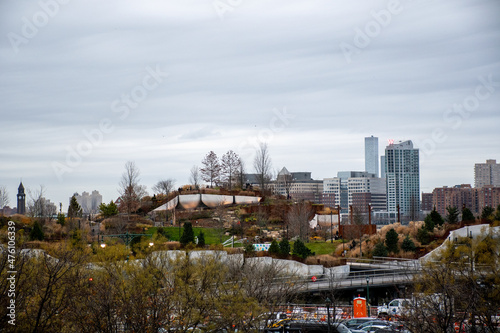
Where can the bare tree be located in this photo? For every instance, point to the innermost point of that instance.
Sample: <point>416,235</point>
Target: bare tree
<point>210,172</point>
<point>240,174</point>
<point>194,176</point>
<point>39,207</point>
<point>164,186</point>
<point>229,167</point>
<point>130,190</point>
<point>298,220</point>
<point>4,197</point>
<point>262,165</point>
<point>459,284</point>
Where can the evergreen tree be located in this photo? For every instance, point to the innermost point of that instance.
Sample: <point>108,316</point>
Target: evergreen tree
<point>497,214</point>
<point>467,215</point>
<point>436,218</point>
<point>300,249</point>
<point>487,213</point>
<point>452,216</point>
<point>274,248</point>
<point>284,247</point>
<point>74,209</point>
<point>162,232</point>
<point>187,234</point>
<point>380,250</point>
<point>108,210</point>
<point>423,236</point>
<point>61,219</point>
<point>249,249</point>
<point>391,241</point>
<point>408,245</point>
<point>36,232</point>
<point>201,239</point>
<point>428,223</point>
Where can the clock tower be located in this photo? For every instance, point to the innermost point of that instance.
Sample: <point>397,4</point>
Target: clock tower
<point>21,200</point>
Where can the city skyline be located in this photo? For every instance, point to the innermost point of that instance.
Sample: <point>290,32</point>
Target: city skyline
<point>163,83</point>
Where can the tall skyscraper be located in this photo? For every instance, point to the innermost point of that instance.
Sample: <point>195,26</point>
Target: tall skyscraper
<point>371,155</point>
<point>89,202</point>
<point>21,200</point>
<point>487,174</point>
<point>402,174</point>
<point>382,166</point>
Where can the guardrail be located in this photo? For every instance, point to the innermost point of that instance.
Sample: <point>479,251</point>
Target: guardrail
<point>356,279</point>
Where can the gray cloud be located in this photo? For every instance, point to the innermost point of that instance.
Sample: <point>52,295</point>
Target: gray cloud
<point>226,77</point>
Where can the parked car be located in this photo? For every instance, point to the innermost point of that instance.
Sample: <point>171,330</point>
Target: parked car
<point>314,326</point>
<point>371,323</point>
<point>355,322</point>
<point>372,328</point>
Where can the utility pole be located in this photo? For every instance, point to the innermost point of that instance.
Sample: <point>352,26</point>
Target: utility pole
<point>331,226</point>
<point>342,233</point>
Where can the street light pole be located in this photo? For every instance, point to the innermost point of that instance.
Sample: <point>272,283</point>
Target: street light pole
<point>341,235</point>
<point>328,302</point>
<point>368,295</point>
<point>331,226</point>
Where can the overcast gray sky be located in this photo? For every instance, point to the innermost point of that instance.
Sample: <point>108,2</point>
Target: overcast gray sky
<point>87,85</point>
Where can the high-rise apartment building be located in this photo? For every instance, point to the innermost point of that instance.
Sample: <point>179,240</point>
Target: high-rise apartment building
<point>89,202</point>
<point>402,174</point>
<point>382,166</point>
<point>371,155</point>
<point>487,174</point>
<point>348,183</point>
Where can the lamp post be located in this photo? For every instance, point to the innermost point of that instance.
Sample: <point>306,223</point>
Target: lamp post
<point>342,235</point>
<point>368,294</point>
<point>328,303</point>
<point>331,226</point>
